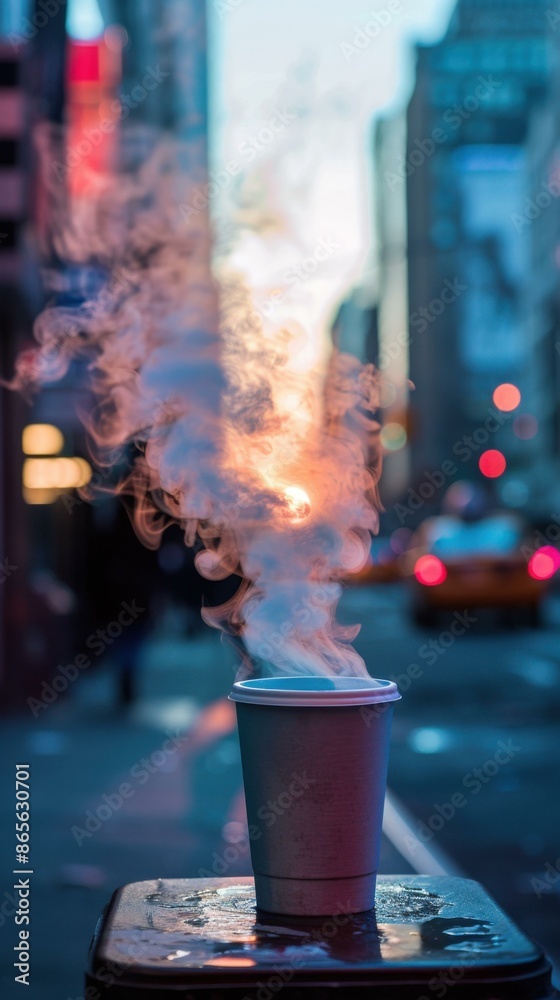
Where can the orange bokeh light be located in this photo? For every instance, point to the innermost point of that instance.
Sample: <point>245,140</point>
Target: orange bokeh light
<point>506,397</point>
<point>231,962</point>
<point>492,463</point>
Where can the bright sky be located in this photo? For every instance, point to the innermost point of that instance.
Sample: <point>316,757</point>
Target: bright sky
<point>295,87</point>
<point>317,61</point>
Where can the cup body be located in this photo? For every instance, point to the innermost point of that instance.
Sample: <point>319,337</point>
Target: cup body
<point>315,753</point>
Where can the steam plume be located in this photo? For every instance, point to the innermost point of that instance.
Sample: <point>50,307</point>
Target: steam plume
<point>271,464</point>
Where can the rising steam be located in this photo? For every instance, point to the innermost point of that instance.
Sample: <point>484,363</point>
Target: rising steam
<point>271,464</point>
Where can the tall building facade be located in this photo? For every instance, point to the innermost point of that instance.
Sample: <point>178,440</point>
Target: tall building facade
<point>465,174</point>
<point>51,587</point>
<point>392,283</point>
<point>540,221</point>
<point>30,75</point>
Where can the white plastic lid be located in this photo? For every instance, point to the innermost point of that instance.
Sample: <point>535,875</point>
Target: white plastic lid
<point>315,692</point>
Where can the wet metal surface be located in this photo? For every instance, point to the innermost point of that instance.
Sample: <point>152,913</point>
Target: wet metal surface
<point>201,926</point>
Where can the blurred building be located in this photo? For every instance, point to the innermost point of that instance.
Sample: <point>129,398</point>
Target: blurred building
<point>539,221</point>
<point>11,219</point>
<point>168,40</point>
<point>30,81</point>
<point>80,64</point>
<point>392,281</point>
<point>11,173</point>
<point>354,329</point>
<point>464,172</point>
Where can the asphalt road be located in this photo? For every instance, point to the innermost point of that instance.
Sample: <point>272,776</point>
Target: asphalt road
<point>475,760</point>
<point>479,721</point>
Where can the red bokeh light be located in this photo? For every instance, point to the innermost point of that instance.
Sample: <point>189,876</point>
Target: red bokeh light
<point>430,571</point>
<point>506,397</point>
<point>83,62</point>
<point>492,463</point>
<point>544,563</point>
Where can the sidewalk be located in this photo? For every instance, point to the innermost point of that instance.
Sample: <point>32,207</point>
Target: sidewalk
<point>176,754</point>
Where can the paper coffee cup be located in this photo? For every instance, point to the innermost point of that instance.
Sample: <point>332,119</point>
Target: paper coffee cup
<point>315,752</point>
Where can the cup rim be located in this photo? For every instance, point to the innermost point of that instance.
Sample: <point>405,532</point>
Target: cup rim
<point>314,692</point>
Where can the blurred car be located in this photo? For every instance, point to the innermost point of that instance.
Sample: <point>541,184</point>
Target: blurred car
<point>452,564</point>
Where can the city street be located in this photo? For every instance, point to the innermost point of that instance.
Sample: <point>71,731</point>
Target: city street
<point>280,308</point>
<point>488,688</point>
<point>472,729</point>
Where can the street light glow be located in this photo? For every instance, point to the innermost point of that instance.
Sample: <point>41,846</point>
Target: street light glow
<point>492,463</point>
<point>84,20</point>
<point>41,439</point>
<point>55,473</point>
<point>393,436</point>
<point>544,563</point>
<point>506,397</point>
<point>430,571</point>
